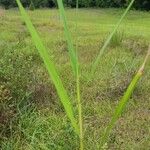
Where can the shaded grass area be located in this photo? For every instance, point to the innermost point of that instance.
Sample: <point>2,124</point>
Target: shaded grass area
<point>32,116</point>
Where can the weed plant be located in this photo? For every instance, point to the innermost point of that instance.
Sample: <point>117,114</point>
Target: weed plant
<point>77,125</point>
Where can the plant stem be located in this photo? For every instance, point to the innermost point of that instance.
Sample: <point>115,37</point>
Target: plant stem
<point>78,85</point>
<point>79,111</point>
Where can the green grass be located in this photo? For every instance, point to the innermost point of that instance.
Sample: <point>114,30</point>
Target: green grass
<point>46,127</point>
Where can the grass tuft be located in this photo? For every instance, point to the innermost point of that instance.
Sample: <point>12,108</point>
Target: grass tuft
<point>117,39</point>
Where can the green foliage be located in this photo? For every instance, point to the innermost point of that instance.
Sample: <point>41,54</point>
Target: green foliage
<point>139,4</point>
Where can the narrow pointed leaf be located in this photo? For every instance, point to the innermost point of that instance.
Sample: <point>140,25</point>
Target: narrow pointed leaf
<point>71,49</point>
<point>124,100</point>
<point>50,67</point>
<point>94,65</point>
<point>79,104</point>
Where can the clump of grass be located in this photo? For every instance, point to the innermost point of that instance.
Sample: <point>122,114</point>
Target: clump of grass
<point>117,39</point>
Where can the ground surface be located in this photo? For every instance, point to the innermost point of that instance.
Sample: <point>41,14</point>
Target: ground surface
<point>32,117</point>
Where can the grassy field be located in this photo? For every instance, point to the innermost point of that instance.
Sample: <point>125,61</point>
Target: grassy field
<point>32,117</point>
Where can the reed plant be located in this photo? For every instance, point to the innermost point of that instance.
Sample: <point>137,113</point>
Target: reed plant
<point>77,124</point>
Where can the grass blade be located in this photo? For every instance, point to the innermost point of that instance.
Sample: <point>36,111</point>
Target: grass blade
<point>124,100</point>
<point>50,67</point>
<point>78,86</point>
<point>94,65</point>
<point>79,109</point>
<point>74,61</point>
<point>71,50</point>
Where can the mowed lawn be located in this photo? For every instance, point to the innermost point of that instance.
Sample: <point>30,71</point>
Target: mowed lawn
<point>34,119</point>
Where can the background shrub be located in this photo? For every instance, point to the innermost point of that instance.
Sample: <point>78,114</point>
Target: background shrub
<point>138,4</point>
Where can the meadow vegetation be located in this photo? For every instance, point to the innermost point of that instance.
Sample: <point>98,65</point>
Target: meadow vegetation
<point>32,116</point>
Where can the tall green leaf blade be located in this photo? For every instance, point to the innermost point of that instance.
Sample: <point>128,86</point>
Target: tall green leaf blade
<point>119,108</point>
<point>94,65</point>
<point>124,100</point>
<point>50,67</point>
<point>71,49</point>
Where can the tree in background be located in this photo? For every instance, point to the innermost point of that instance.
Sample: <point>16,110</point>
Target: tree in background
<point>5,3</point>
<point>44,3</point>
<point>138,4</point>
<point>142,4</point>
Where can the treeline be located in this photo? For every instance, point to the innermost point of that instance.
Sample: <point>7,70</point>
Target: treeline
<point>138,4</point>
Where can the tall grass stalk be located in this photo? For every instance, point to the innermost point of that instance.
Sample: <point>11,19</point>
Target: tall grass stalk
<point>124,100</point>
<point>71,49</point>
<point>95,63</point>
<point>79,109</point>
<point>75,63</point>
<point>50,67</point>
<point>78,85</point>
